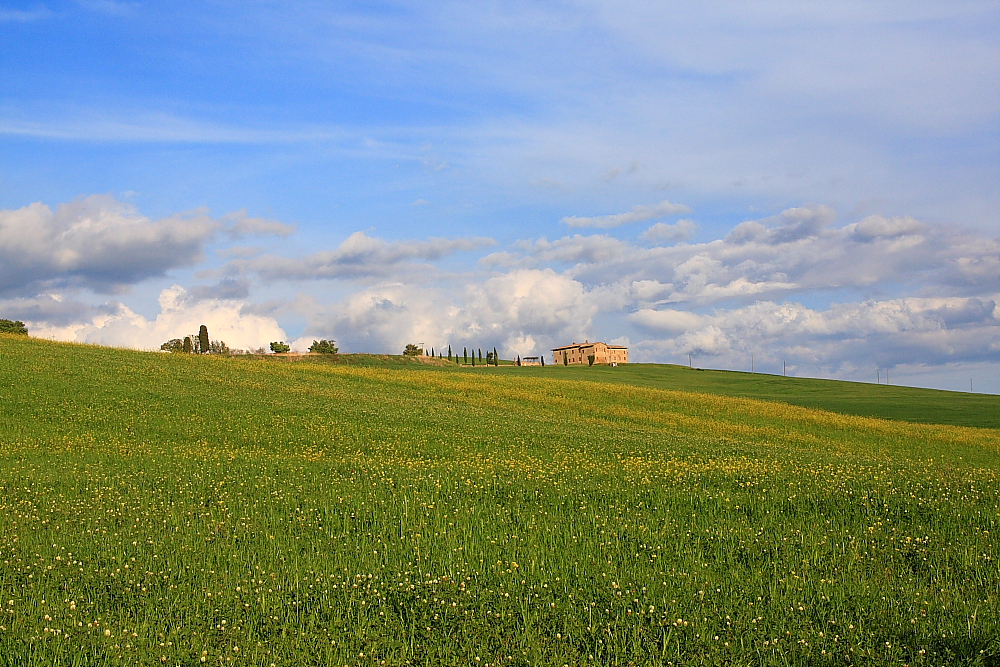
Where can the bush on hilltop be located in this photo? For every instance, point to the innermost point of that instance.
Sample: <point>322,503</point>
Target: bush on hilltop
<point>323,346</point>
<point>13,327</point>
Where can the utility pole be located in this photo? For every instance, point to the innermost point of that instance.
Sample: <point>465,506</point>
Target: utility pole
<point>970,386</point>
<point>783,369</point>
<point>878,376</point>
<point>689,360</point>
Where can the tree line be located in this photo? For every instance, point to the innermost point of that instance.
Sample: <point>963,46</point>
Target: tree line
<point>467,357</point>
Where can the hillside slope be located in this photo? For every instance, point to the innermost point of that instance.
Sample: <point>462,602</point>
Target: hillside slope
<point>912,404</point>
<point>168,508</point>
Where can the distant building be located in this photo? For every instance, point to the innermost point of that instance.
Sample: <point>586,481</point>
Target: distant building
<point>531,361</point>
<point>579,353</point>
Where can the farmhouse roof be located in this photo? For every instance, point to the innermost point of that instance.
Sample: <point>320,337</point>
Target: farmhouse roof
<point>589,344</point>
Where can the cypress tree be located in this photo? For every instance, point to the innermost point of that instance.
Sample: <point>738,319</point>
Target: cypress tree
<point>543,360</point>
<point>480,355</point>
<point>473,359</point>
<point>465,354</point>
<point>188,345</point>
<point>449,353</point>
<point>519,360</point>
<point>496,358</point>
<point>203,344</point>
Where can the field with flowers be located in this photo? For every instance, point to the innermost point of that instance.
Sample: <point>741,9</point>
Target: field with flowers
<point>866,399</point>
<point>183,510</point>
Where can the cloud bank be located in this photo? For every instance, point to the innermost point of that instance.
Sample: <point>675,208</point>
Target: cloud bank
<point>797,287</point>
<point>96,243</point>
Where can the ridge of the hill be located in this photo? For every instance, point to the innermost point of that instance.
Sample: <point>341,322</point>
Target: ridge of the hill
<point>897,403</point>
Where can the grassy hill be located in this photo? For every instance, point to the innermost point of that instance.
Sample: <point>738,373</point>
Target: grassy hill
<point>175,509</point>
<point>924,406</point>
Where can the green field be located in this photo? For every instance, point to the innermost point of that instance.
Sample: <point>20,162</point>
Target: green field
<point>923,406</point>
<point>183,510</point>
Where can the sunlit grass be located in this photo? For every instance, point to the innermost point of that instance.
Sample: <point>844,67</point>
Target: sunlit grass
<point>178,510</point>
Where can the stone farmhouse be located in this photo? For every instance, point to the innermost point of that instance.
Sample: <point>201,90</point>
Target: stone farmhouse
<point>579,353</point>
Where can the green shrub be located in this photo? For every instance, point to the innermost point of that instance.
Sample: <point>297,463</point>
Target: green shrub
<point>13,327</point>
<point>280,346</point>
<point>323,346</point>
<point>173,345</point>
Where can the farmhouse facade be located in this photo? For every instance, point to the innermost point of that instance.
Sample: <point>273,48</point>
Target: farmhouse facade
<point>580,353</point>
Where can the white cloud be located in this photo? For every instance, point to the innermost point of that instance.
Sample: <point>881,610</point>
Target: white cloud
<point>118,325</point>
<point>877,227</point>
<point>681,230</point>
<point>927,331</point>
<point>578,249</point>
<point>94,242</point>
<point>359,256</point>
<point>637,214</point>
<point>522,312</point>
<point>797,251</point>
<point>240,224</point>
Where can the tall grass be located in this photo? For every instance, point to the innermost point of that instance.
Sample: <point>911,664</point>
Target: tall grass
<point>175,510</point>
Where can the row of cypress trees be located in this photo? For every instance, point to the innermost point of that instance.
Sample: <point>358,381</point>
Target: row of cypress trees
<point>492,358</point>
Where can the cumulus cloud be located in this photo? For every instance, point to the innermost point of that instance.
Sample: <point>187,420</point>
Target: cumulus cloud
<point>681,230</point>
<point>877,227</point>
<point>637,214</point>
<point>793,224</point>
<point>359,256</point>
<point>180,315</point>
<point>577,249</point>
<point>928,331</point>
<point>52,309</point>
<point>521,312</point>
<point>94,242</point>
<point>795,252</point>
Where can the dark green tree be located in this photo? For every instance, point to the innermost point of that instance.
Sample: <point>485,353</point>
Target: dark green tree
<point>465,354</point>
<point>480,356</point>
<point>412,350</point>
<point>204,345</point>
<point>323,346</point>
<point>188,345</point>
<point>590,360</point>
<point>519,360</point>
<point>496,357</point>
<point>543,360</point>
<point>565,358</point>
<point>280,346</point>
<point>13,327</point>
<point>449,352</point>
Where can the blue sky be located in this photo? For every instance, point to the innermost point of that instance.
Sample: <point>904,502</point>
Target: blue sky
<point>812,183</point>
